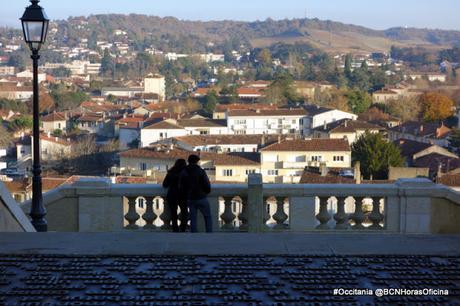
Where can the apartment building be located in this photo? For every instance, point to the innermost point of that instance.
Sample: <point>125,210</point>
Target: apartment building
<point>175,128</point>
<point>223,143</point>
<point>285,161</point>
<point>263,121</point>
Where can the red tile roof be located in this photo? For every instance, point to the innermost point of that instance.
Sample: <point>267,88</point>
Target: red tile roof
<point>267,112</point>
<point>249,91</point>
<point>452,180</point>
<point>243,106</point>
<point>57,140</point>
<point>433,130</point>
<point>435,160</point>
<point>202,140</point>
<point>165,125</point>
<point>313,145</point>
<point>217,158</point>
<point>54,117</point>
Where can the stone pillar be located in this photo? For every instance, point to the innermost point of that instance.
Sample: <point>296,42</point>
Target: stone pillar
<point>415,200</point>
<point>99,210</point>
<point>255,206</point>
<point>302,213</point>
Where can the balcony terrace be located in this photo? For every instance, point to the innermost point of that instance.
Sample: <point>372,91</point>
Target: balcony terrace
<point>289,244</point>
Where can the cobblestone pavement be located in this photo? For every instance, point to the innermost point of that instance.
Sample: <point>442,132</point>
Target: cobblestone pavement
<point>222,280</point>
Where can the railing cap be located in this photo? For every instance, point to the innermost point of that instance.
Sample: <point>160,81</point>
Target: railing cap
<point>93,182</point>
<point>415,182</point>
<point>255,179</point>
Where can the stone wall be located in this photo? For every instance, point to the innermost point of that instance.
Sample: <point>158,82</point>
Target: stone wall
<point>12,219</point>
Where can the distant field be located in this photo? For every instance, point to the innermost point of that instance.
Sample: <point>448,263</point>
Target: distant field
<point>343,42</point>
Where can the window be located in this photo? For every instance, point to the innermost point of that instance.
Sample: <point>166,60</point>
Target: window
<point>204,132</point>
<point>339,158</point>
<point>59,126</point>
<point>240,132</point>
<point>294,121</point>
<point>316,158</point>
<point>227,172</point>
<point>273,172</point>
<point>240,121</point>
<point>301,121</point>
<point>143,166</point>
<point>250,172</point>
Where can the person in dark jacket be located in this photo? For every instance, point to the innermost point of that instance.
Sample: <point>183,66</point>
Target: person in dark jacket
<point>175,198</point>
<point>194,184</point>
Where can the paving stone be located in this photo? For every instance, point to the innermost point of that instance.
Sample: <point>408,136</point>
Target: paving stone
<point>222,280</point>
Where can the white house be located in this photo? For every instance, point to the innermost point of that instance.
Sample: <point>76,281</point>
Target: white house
<point>263,121</point>
<point>155,84</point>
<point>285,161</point>
<point>318,116</point>
<point>27,74</point>
<point>283,121</point>
<point>176,128</point>
<point>53,121</point>
<point>130,92</point>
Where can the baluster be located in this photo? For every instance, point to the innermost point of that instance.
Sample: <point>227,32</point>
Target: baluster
<point>323,216</point>
<point>228,216</point>
<point>166,216</point>
<point>376,216</point>
<point>181,215</point>
<point>266,212</point>
<point>132,216</point>
<point>243,216</point>
<point>341,217</point>
<point>280,216</point>
<point>358,216</point>
<point>149,215</point>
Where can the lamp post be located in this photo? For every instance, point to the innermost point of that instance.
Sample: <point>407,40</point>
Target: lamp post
<point>35,27</point>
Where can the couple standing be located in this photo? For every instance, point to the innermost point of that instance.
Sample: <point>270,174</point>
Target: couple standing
<point>188,187</point>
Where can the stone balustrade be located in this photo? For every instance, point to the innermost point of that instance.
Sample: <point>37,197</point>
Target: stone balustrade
<point>408,206</point>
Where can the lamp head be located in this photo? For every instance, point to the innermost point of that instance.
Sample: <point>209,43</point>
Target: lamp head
<point>35,25</point>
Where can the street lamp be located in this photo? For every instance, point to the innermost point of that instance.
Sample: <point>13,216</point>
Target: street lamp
<point>35,27</point>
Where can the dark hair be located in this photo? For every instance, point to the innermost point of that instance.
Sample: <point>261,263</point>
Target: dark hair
<point>179,165</point>
<point>193,159</point>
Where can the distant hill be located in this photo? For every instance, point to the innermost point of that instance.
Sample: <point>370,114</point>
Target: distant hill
<point>178,34</point>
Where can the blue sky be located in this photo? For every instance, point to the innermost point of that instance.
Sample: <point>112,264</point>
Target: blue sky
<point>441,14</point>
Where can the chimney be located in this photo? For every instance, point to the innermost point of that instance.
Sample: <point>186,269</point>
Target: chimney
<point>346,123</point>
<point>421,128</point>
<point>262,141</point>
<point>357,173</point>
<point>323,169</point>
<point>325,125</point>
<point>48,134</point>
<point>258,111</point>
<point>279,138</point>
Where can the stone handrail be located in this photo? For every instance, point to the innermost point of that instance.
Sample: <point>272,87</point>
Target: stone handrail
<point>407,206</point>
